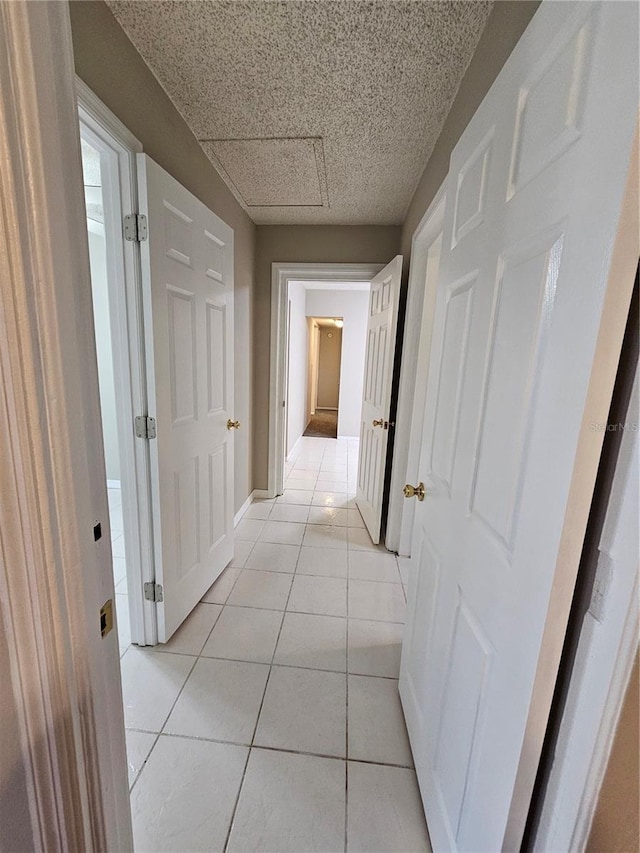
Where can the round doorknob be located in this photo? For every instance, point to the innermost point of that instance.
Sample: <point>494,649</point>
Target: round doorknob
<point>233,424</point>
<point>378,423</point>
<point>414,491</point>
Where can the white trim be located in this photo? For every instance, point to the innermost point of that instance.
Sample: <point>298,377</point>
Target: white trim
<point>281,275</point>
<point>295,447</point>
<point>64,677</point>
<point>113,484</point>
<point>411,398</point>
<point>600,675</point>
<point>245,506</point>
<point>334,285</point>
<point>98,112</point>
<point>118,148</point>
<point>95,227</point>
<point>260,495</point>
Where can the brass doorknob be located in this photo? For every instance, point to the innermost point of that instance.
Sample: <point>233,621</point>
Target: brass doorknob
<point>233,424</point>
<point>378,423</point>
<point>414,491</point>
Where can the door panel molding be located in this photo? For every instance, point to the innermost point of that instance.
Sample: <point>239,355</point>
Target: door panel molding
<point>536,379</point>
<point>189,361</point>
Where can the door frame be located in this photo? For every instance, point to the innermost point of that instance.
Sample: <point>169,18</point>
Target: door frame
<point>56,571</point>
<point>598,680</point>
<point>413,382</point>
<point>328,408</point>
<point>281,275</point>
<point>120,188</point>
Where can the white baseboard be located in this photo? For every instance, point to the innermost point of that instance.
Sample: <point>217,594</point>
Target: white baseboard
<point>113,484</point>
<point>293,449</point>
<point>245,506</point>
<point>262,494</point>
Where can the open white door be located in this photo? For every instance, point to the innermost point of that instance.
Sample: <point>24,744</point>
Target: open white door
<point>539,178</point>
<point>187,264</point>
<point>376,394</point>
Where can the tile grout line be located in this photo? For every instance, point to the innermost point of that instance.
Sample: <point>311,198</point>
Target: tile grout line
<point>303,612</point>
<point>252,745</point>
<point>197,658</point>
<point>255,728</point>
<point>167,718</point>
<point>288,751</point>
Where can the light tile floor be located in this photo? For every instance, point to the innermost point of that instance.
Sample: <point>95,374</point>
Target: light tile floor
<point>271,720</point>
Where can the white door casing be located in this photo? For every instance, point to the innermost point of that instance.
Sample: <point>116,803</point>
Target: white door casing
<point>376,394</point>
<point>604,659</point>
<point>281,275</point>
<point>537,183</point>
<point>118,149</point>
<point>187,265</point>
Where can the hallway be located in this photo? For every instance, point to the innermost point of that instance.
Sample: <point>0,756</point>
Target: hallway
<point>271,721</point>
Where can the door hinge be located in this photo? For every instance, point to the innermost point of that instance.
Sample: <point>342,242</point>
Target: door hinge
<point>135,227</point>
<point>145,427</point>
<point>153,592</point>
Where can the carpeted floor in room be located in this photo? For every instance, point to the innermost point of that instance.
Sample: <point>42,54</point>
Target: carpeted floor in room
<point>324,424</point>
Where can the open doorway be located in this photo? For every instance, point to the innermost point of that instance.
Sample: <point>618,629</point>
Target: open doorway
<point>324,367</point>
<point>311,290</point>
<point>109,397</point>
<point>325,350</point>
<point>290,282</point>
<point>108,163</point>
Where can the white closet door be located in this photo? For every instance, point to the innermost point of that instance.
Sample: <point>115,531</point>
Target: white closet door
<point>187,265</point>
<point>538,180</point>
<point>376,395</point>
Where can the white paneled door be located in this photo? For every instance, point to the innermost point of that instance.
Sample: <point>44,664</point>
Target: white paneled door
<point>376,394</point>
<point>538,180</point>
<point>187,265</point>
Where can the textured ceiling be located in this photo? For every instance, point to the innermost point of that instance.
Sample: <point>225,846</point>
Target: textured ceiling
<point>313,111</point>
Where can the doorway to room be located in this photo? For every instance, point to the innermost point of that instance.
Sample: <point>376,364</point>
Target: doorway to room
<point>108,162</point>
<point>364,412</point>
<point>109,393</point>
<point>323,369</point>
<point>325,359</point>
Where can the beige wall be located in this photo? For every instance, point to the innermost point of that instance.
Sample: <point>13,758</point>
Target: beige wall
<point>616,823</point>
<point>351,244</point>
<point>507,21</point>
<point>107,61</point>
<point>329,358</point>
<point>353,307</point>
